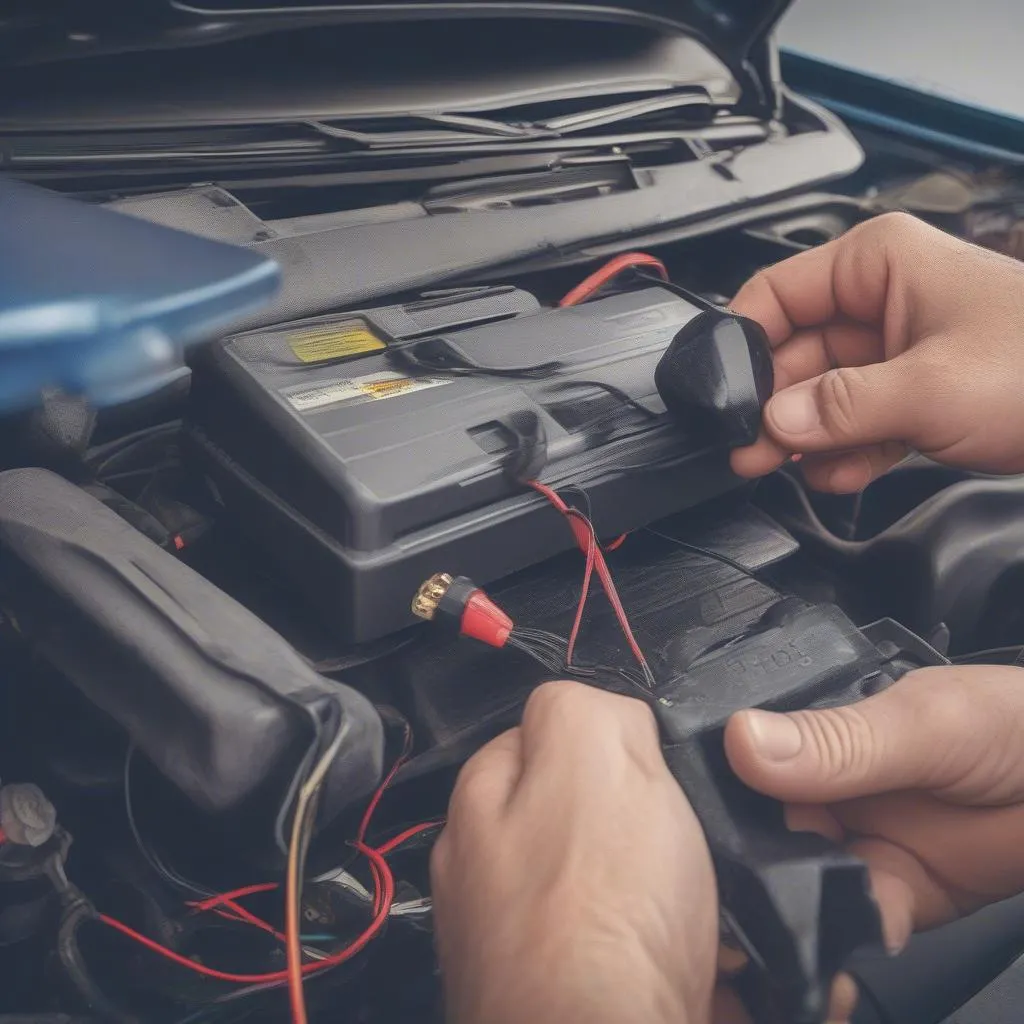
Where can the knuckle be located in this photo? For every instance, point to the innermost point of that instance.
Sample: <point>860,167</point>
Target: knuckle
<point>640,732</point>
<point>474,785</point>
<point>759,292</point>
<point>895,226</point>
<point>840,391</point>
<point>581,714</point>
<point>761,281</point>
<point>643,728</point>
<point>464,792</point>
<point>549,697</point>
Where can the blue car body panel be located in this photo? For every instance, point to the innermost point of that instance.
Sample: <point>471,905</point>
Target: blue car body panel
<point>101,304</point>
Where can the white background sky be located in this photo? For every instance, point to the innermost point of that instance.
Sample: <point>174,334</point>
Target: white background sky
<point>967,50</point>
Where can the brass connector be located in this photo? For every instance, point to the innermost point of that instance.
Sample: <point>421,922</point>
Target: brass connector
<point>428,597</point>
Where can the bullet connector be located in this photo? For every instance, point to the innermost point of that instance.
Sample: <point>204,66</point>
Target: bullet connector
<point>430,594</point>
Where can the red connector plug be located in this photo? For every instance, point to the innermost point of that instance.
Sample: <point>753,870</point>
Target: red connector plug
<point>459,602</point>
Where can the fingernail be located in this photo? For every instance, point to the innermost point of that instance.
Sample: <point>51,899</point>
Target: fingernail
<point>795,411</point>
<point>896,934</point>
<point>796,457</point>
<point>895,939</point>
<point>776,737</point>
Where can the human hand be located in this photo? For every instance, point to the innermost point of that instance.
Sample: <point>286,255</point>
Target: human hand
<point>925,782</point>
<point>572,882</point>
<point>894,337</point>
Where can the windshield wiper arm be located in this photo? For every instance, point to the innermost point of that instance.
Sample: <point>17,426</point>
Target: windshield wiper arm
<point>629,111</point>
<point>451,130</point>
<point>459,129</point>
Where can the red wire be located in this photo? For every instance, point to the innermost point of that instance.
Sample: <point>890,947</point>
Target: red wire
<point>597,280</point>
<point>584,290</point>
<point>381,870</point>
<point>404,837</point>
<point>235,894</point>
<point>371,807</point>
<point>256,922</point>
<point>583,530</point>
<point>384,895</point>
<point>228,900</point>
<point>581,607</point>
<point>381,874</point>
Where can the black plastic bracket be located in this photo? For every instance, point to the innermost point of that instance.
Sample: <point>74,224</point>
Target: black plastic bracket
<point>799,905</point>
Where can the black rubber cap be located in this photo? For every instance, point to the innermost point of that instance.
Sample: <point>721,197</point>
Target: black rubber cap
<point>716,376</point>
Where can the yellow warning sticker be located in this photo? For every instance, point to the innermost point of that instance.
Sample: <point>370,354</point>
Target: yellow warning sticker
<point>372,387</point>
<point>335,341</point>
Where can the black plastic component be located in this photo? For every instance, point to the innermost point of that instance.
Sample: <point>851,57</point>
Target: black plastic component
<point>222,705</point>
<point>956,557</point>
<point>28,900</point>
<point>717,375</point>
<point>998,1002</point>
<point>797,903</point>
<point>943,969</point>
<point>452,605</point>
<point>363,480</point>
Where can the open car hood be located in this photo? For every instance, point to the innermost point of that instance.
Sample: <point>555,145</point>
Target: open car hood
<point>46,31</point>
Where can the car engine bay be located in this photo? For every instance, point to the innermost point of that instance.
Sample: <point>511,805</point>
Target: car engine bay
<point>256,615</point>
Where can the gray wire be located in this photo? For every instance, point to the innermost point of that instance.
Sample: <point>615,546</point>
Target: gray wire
<point>301,773</point>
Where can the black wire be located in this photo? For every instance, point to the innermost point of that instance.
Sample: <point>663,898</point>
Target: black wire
<point>358,658</point>
<point>174,878</point>
<point>611,389</point>
<point>588,508</point>
<point>676,289</point>
<point>706,552</point>
<point>77,911</point>
<point>100,458</point>
<point>541,657</point>
<point>466,366</point>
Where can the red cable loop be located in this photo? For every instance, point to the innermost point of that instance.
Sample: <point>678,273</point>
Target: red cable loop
<point>403,837</point>
<point>583,531</point>
<point>597,280</point>
<point>384,895</point>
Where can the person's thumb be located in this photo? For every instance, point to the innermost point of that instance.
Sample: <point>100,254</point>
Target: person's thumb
<point>955,731</point>
<point>847,408</point>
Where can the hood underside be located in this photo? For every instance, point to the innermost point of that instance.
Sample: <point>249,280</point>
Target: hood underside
<point>730,36</point>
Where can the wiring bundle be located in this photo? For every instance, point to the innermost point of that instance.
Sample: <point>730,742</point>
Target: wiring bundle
<point>304,957</point>
<point>458,602</point>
